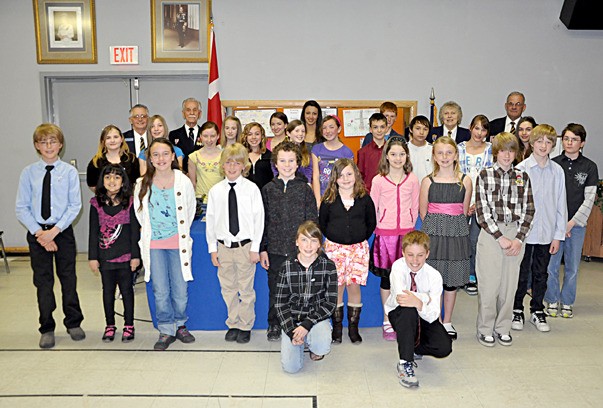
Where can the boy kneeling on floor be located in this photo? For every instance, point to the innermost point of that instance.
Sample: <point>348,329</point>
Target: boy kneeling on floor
<point>413,307</point>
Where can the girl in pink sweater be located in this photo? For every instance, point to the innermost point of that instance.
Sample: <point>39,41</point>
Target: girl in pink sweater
<point>395,192</point>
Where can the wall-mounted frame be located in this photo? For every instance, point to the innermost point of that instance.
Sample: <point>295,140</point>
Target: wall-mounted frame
<point>180,30</point>
<point>65,31</point>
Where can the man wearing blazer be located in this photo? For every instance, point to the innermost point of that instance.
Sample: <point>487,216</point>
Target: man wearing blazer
<point>186,137</point>
<point>450,116</point>
<point>136,138</point>
<point>515,106</point>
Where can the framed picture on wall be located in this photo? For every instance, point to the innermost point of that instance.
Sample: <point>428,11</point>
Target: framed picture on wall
<point>180,30</point>
<point>65,31</point>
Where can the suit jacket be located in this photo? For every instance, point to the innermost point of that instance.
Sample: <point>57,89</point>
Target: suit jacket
<point>462,134</point>
<point>131,141</point>
<point>179,137</point>
<point>496,126</point>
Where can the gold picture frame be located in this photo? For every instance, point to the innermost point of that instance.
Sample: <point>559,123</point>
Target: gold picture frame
<point>180,30</point>
<point>65,31</point>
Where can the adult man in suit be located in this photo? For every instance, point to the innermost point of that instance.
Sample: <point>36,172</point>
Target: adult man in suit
<point>515,106</point>
<point>136,138</point>
<point>186,136</point>
<point>450,116</point>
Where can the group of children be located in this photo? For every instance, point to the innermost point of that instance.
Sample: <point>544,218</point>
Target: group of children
<point>439,213</point>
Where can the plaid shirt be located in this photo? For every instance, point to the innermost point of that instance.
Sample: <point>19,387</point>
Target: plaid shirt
<point>504,196</point>
<point>305,296</point>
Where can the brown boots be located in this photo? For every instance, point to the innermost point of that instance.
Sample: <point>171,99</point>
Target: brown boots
<point>353,319</point>
<point>337,320</point>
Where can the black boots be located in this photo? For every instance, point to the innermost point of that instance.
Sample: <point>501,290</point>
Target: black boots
<point>353,319</point>
<point>337,320</point>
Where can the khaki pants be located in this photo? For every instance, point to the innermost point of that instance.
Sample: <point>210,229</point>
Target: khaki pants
<point>497,275</point>
<point>236,275</point>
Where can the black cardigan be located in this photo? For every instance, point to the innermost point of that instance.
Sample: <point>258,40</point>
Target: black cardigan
<point>351,226</point>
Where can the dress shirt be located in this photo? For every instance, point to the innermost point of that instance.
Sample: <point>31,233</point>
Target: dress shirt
<point>65,196</point>
<point>508,121</point>
<point>137,141</point>
<point>251,214</point>
<point>429,289</point>
<point>504,196</point>
<point>187,128</point>
<point>548,189</point>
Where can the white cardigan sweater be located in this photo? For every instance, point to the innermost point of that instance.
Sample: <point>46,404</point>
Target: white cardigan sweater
<point>186,205</point>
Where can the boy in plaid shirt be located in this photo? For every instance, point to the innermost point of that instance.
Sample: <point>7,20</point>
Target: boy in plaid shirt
<point>504,209</point>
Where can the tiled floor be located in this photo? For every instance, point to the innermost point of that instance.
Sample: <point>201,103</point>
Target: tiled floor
<point>563,368</point>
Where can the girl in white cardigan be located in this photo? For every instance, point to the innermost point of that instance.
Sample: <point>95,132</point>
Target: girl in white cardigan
<point>165,207</point>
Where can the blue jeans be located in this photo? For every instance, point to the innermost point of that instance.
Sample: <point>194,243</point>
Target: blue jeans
<point>571,251</point>
<point>318,340</point>
<point>170,290</point>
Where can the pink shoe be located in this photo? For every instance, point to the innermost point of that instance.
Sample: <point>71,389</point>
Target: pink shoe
<point>388,332</point>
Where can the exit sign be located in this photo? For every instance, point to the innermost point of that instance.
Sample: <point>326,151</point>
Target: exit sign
<point>124,55</point>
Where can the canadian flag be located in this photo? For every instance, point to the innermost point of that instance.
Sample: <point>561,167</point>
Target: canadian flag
<point>214,106</point>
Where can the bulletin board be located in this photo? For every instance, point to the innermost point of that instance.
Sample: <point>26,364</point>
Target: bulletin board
<point>258,108</point>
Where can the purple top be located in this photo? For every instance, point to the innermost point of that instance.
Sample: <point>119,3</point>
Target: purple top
<point>326,160</point>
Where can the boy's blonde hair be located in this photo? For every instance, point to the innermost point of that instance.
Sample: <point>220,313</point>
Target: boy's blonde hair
<point>416,238</point>
<point>236,152</point>
<point>504,141</point>
<point>543,130</point>
<point>48,130</point>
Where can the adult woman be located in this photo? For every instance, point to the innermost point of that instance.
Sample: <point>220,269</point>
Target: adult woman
<point>475,155</point>
<point>254,139</point>
<point>156,128</point>
<point>450,116</point>
<point>278,125</point>
<point>524,130</point>
<point>112,148</point>
<point>312,117</point>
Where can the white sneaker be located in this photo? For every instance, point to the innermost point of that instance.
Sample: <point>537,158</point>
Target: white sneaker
<point>566,311</point>
<point>518,320</point>
<point>552,309</point>
<point>539,320</point>
<point>406,374</point>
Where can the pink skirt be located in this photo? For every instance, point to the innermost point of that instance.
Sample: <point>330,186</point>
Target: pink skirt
<point>386,250</point>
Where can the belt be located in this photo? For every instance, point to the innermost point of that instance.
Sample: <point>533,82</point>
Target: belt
<point>235,244</point>
<point>46,227</point>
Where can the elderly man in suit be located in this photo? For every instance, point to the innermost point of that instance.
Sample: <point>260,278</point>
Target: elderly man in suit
<point>186,136</point>
<point>136,138</point>
<point>515,106</point>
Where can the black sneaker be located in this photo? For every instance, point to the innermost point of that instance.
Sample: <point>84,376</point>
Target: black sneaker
<point>471,288</point>
<point>184,335</point>
<point>163,342</point>
<point>274,333</point>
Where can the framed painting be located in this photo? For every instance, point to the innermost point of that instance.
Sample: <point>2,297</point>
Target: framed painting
<point>65,31</point>
<point>180,30</point>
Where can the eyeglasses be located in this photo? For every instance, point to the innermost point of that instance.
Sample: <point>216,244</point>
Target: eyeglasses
<point>48,142</point>
<point>572,139</point>
<point>139,116</point>
<point>516,104</point>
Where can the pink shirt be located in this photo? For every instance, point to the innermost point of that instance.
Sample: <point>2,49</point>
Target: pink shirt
<point>397,206</point>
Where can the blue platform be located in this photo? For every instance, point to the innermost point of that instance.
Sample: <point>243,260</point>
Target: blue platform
<point>207,311</point>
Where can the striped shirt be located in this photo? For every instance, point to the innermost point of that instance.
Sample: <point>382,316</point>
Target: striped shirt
<point>504,196</point>
<point>305,296</point>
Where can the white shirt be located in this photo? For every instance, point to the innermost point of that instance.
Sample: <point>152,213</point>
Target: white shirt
<point>250,210</point>
<point>452,132</point>
<point>429,289</point>
<point>420,157</point>
<point>195,131</point>
<point>137,141</point>
<point>508,121</point>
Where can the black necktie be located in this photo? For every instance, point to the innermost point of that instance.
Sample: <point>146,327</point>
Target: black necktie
<point>413,288</point>
<point>191,134</point>
<point>233,212</point>
<point>512,127</point>
<point>46,194</point>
